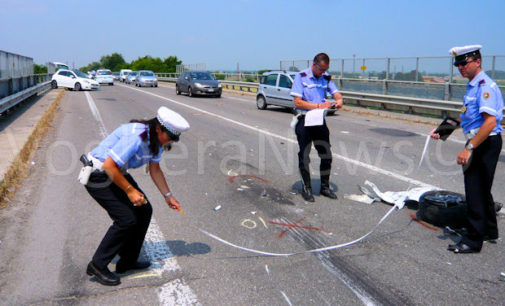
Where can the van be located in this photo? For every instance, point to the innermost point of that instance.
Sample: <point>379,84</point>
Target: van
<point>123,74</point>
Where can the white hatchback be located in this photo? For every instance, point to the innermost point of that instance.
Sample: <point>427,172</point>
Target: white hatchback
<point>104,76</point>
<point>73,79</point>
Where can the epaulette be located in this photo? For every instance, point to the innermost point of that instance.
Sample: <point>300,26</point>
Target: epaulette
<point>303,74</point>
<point>482,82</point>
<point>144,136</point>
<point>327,77</point>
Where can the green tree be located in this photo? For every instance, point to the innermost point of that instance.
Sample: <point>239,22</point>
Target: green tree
<point>112,62</point>
<point>170,63</point>
<point>37,69</point>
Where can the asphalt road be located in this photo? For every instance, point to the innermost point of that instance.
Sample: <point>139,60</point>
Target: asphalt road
<point>51,229</point>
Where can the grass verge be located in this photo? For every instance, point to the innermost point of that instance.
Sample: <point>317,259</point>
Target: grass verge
<point>19,167</point>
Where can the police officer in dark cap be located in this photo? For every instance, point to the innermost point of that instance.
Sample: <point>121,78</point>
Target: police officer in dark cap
<point>309,91</point>
<point>481,115</point>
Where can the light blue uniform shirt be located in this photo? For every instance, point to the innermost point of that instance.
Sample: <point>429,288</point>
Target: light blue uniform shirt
<point>310,88</point>
<point>482,96</point>
<point>126,147</point>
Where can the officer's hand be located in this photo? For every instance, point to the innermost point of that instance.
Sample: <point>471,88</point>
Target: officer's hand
<point>464,156</point>
<point>325,105</point>
<point>434,135</point>
<point>338,104</point>
<point>173,203</point>
<point>136,197</point>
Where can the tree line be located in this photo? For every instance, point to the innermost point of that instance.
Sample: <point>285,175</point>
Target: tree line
<point>116,62</point>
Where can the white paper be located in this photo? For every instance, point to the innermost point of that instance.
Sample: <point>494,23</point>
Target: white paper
<point>314,117</point>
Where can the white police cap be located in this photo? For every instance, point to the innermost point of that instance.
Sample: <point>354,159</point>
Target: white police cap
<point>172,121</point>
<point>462,53</point>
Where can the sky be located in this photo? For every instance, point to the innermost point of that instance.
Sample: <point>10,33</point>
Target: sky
<point>251,34</point>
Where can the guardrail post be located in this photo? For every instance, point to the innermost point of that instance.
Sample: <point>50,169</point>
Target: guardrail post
<point>451,69</point>
<point>447,91</point>
<point>342,71</point>
<point>385,87</point>
<point>417,68</point>
<point>388,66</point>
<point>494,65</point>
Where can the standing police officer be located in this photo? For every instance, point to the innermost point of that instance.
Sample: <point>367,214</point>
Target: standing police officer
<point>309,91</point>
<point>481,115</point>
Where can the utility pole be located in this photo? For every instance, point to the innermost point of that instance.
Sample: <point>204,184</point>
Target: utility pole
<point>353,64</point>
<point>238,72</point>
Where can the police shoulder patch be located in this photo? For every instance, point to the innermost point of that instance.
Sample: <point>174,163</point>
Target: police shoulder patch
<point>303,74</point>
<point>486,95</point>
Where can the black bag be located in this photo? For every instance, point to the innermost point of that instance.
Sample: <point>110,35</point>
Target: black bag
<point>445,208</point>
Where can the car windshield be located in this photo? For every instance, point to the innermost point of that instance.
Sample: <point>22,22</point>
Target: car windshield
<point>81,74</point>
<point>147,73</point>
<point>104,72</point>
<point>133,73</point>
<point>115,73</point>
<point>201,76</point>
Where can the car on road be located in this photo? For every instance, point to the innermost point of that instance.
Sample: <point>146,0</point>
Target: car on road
<point>146,78</point>
<point>198,83</point>
<point>275,88</point>
<point>104,76</point>
<point>132,76</point>
<point>123,75</point>
<point>115,76</point>
<point>73,79</point>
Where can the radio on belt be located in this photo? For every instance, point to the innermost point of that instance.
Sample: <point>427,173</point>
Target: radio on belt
<point>85,170</point>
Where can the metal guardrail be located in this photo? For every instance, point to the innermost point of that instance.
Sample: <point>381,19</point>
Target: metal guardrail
<point>18,97</point>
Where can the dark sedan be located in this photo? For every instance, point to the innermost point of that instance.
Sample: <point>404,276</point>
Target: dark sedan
<point>198,83</point>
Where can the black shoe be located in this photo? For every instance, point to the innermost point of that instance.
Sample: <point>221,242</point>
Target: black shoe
<point>139,265</point>
<point>104,276</point>
<point>461,248</point>
<point>491,238</point>
<point>327,192</point>
<point>307,194</point>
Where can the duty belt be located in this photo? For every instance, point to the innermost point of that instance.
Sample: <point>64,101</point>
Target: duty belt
<point>98,164</point>
<point>474,132</point>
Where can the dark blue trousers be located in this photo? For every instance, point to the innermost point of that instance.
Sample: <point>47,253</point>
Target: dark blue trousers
<point>127,232</point>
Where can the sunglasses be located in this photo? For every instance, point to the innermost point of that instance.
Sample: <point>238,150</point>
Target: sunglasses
<point>320,69</point>
<point>463,64</point>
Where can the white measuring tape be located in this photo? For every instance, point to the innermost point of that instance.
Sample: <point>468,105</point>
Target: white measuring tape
<point>329,248</point>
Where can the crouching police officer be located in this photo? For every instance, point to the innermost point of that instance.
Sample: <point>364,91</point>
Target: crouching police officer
<point>309,91</point>
<point>130,146</point>
<point>481,115</point>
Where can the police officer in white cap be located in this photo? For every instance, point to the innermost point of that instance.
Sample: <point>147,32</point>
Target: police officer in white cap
<point>130,146</point>
<point>481,115</point>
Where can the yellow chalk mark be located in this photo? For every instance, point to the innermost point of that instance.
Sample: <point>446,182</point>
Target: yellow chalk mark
<point>245,223</point>
<point>144,275</point>
<point>263,221</point>
<point>182,212</point>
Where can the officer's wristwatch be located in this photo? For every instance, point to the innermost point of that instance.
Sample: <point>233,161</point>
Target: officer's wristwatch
<point>469,146</point>
<point>167,194</point>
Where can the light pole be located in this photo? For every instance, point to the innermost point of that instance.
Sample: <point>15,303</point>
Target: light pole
<point>353,64</point>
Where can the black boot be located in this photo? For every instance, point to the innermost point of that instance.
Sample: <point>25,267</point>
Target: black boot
<point>306,188</point>
<point>325,187</point>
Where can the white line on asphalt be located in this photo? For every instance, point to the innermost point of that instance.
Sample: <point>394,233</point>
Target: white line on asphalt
<point>286,298</point>
<point>341,157</point>
<point>175,292</point>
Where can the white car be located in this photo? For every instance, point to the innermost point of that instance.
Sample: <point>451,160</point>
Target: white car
<point>123,75</point>
<point>104,76</point>
<point>73,79</point>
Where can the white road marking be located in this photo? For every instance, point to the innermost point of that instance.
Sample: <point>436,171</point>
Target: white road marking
<point>286,298</point>
<point>175,292</point>
<point>341,157</point>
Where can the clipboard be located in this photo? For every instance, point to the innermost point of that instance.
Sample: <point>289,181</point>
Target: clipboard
<point>446,128</point>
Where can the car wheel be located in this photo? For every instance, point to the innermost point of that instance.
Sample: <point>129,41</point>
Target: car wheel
<point>218,96</point>
<point>77,86</point>
<point>261,103</point>
<point>54,85</point>
<point>177,91</point>
<point>111,84</point>
<point>156,85</point>
<point>190,92</point>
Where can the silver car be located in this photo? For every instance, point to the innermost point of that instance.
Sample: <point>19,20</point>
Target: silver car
<point>199,83</point>
<point>275,88</point>
<point>132,76</point>
<point>146,78</point>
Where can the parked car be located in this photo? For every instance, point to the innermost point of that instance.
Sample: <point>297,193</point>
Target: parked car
<point>104,76</point>
<point>275,88</point>
<point>115,76</point>
<point>123,74</point>
<point>132,76</point>
<point>198,83</point>
<point>146,78</point>
<point>73,79</point>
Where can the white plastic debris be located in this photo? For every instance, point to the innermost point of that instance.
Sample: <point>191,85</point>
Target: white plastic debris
<point>253,212</point>
<point>502,276</point>
<point>217,208</point>
<point>33,163</point>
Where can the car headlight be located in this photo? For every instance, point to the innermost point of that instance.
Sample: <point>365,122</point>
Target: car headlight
<point>198,85</point>
<point>219,85</point>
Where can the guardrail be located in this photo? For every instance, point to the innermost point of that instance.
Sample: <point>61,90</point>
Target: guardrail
<point>412,105</point>
<point>10,101</point>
